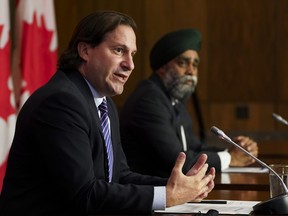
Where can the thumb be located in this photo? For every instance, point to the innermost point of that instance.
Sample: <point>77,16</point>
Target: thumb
<point>180,161</point>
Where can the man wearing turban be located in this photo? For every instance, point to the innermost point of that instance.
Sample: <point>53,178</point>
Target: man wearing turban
<point>155,124</point>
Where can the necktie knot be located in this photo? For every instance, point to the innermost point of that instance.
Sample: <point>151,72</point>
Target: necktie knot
<point>103,107</point>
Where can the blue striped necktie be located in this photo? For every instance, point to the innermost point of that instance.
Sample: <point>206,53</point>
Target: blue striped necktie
<point>107,137</point>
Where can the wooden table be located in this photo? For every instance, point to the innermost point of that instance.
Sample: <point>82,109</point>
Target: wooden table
<point>242,181</point>
<point>237,186</point>
<point>239,195</point>
<point>241,186</point>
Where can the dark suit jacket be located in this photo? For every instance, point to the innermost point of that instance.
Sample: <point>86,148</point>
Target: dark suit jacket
<point>150,131</point>
<point>57,164</point>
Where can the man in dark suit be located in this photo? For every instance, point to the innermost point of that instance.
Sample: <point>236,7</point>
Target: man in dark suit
<point>154,122</point>
<point>66,157</point>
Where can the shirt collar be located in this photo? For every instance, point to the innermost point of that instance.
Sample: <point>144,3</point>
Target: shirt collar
<point>97,98</point>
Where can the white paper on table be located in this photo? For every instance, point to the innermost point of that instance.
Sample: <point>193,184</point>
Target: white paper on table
<point>232,207</point>
<point>245,170</point>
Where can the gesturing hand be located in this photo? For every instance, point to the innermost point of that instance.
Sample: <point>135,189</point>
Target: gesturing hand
<point>195,185</point>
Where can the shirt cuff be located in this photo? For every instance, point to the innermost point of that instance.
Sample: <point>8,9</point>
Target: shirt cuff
<point>225,159</point>
<point>159,200</point>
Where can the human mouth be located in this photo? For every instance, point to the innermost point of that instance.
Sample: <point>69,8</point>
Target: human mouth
<point>190,81</point>
<point>121,77</point>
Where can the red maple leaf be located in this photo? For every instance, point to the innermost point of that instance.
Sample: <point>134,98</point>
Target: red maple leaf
<point>6,108</point>
<point>38,63</point>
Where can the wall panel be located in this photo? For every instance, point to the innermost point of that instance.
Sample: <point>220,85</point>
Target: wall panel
<point>244,57</point>
<point>281,53</point>
<point>242,39</point>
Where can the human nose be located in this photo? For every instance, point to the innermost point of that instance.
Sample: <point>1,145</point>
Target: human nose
<point>128,63</point>
<point>192,69</point>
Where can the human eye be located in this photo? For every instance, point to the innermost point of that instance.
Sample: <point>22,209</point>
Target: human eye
<point>119,50</point>
<point>196,63</point>
<point>182,63</point>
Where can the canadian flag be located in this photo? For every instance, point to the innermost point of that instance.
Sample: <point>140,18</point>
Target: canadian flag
<point>35,54</point>
<point>7,100</point>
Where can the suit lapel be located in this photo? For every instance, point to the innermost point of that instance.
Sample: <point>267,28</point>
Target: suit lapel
<point>83,87</point>
<point>81,84</point>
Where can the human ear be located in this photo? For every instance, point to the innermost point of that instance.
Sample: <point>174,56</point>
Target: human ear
<point>162,70</point>
<point>82,49</point>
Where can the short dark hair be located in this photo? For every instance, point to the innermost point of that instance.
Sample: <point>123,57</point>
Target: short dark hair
<point>92,29</point>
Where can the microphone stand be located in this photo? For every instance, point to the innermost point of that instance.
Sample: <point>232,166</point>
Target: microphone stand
<point>279,119</point>
<point>274,206</point>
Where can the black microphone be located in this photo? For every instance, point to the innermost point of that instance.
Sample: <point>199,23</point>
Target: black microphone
<point>279,119</point>
<point>272,206</point>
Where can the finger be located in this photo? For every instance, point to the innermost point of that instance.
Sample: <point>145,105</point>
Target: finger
<point>241,140</point>
<point>207,178</point>
<point>197,199</point>
<point>212,172</point>
<point>203,169</point>
<point>211,184</point>
<point>238,138</point>
<point>246,142</point>
<point>180,161</point>
<point>204,192</point>
<point>252,146</point>
<point>201,197</point>
<point>208,185</point>
<point>201,175</point>
<point>254,152</point>
<point>198,165</point>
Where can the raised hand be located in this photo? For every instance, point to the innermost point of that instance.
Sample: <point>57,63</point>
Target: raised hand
<point>195,185</point>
